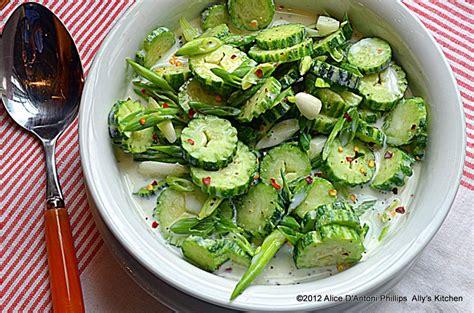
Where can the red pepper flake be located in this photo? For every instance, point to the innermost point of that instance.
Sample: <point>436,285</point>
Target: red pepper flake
<point>388,155</point>
<point>191,113</point>
<point>309,180</point>
<point>233,56</point>
<point>142,121</point>
<point>143,91</point>
<point>219,98</point>
<point>400,210</point>
<point>154,224</point>
<point>229,269</point>
<point>318,174</point>
<point>190,141</point>
<point>259,73</point>
<point>166,105</point>
<point>154,183</point>
<point>206,180</point>
<point>275,184</point>
<point>349,159</point>
<point>347,117</point>
<point>155,137</point>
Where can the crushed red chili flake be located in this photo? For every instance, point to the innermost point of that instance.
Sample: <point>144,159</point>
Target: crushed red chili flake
<point>259,73</point>
<point>143,91</point>
<point>275,184</point>
<point>155,137</point>
<point>190,141</point>
<point>347,117</point>
<point>388,155</point>
<point>142,121</point>
<point>191,113</point>
<point>400,210</point>
<point>206,180</point>
<point>229,269</point>
<point>154,224</point>
<point>233,56</point>
<point>166,105</point>
<point>154,183</point>
<point>219,98</point>
<point>349,159</point>
<point>309,180</point>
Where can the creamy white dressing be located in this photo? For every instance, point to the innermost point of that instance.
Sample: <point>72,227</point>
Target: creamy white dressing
<point>281,269</point>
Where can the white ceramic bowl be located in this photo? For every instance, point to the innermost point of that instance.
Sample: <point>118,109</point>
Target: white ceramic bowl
<point>429,76</point>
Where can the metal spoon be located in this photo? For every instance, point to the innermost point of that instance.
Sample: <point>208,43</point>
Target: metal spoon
<point>41,85</point>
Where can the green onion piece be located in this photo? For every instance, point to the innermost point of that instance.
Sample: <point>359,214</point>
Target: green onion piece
<point>199,46</point>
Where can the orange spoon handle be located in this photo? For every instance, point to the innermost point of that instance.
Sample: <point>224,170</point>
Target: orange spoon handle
<point>64,275</point>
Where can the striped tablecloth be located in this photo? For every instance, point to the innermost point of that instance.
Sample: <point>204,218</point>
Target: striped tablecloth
<point>24,274</point>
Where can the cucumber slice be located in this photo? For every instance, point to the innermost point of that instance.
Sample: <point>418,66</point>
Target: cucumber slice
<point>329,245</point>
<point>336,74</point>
<point>280,106</point>
<point>287,157</point>
<point>283,55</point>
<point>232,180</point>
<point>213,16</point>
<point>209,142</point>
<point>395,167</point>
<point>225,57</point>
<point>288,74</point>
<point>239,41</point>
<point>120,110</point>
<point>317,194</point>
<point>281,36</point>
<point>173,205</point>
<point>349,167</point>
<point>193,90</point>
<point>261,101</point>
<point>156,44</point>
<point>370,134</point>
<point>333,104</point>
<point>218,31</point>
<point>339,213</point>
<point>207,254</point>
<point>370,55</point>
<point>369,116</point>
<point>138,141</point>
<point>324,124</point>
<point>236,253</point>
<point>329,43</point>
<point>174,75</point>
<point>258,211</point>
<point>383,90</point>
<point>251,14</point>
<point>406,120</point>
<point>417,146</point>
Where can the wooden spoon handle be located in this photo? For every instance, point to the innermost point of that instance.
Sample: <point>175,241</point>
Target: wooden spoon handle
<point>64,275</point>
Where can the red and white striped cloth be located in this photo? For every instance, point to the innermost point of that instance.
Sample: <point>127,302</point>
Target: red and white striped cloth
<point>24,274</point>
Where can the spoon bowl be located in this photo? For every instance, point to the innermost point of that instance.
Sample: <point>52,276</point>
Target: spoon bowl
<point>41,84</point>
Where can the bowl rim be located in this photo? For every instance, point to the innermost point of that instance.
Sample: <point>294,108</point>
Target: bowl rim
<point>394,266</point>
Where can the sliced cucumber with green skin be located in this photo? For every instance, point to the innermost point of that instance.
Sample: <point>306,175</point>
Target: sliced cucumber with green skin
<point>333,104</point>
<point>351,98</point>
<point>329,245</point>
<point>328,43</point>
<point>417,146</point>
<point>239,41</point>
<point>289,54</point>
<point>340,213</point>
<point>407,119</point>
<point>281,36</point>
<point>138,141</point>
<point>236,253</point>
<point>287,157</point>
<point>394,168</point>
<point>119,111</point>
<point>317,194</point>
<point>173,205</point>
<point>213,16</point>
<point>218,31</point>
<point>140,57</point>
<point>207,254</point>
<point>156,44</point>
<point>370,134</point>
<point>335,74</point>
<point>251,14</point>
<point>280,106</point>
<point>383,90</point>
<point>259,211</point>
<point>370,55</point>
<point>174,75</point>
<point>324,124</point>
<point>369,116</point>
<point>232,180</point>
<point>261,101</point>
<point>193,90</point>
<point>209,142</point>
<point>288,75</point>
<point>226,57</point>
<point>349,167</point>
